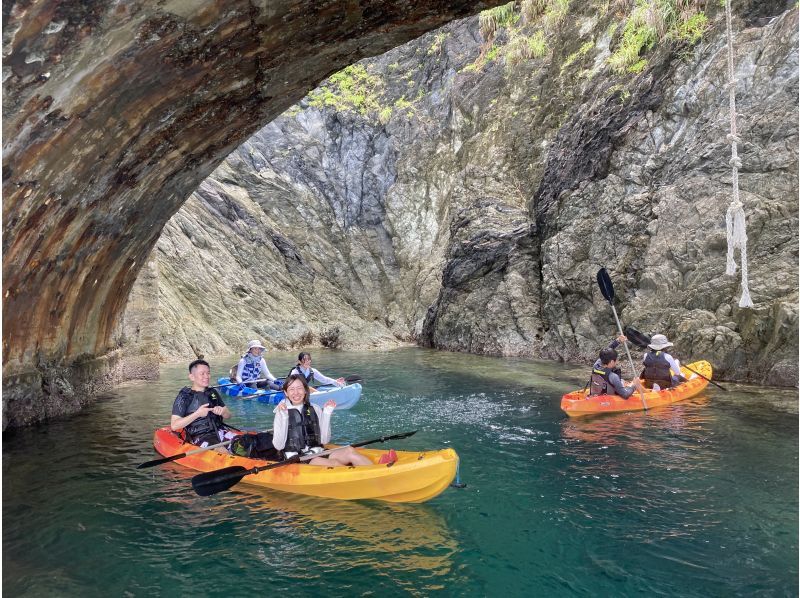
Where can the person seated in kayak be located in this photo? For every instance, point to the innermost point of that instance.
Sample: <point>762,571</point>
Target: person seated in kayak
<point>252,366</point>
<point>303,428</point>
<point>661,370</point>
<point>606,376</point>
<point>199,410</point>
<point>313,375</point>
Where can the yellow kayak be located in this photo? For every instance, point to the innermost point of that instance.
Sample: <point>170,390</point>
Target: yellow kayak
<point>578,403</point>
<point>414,477</point>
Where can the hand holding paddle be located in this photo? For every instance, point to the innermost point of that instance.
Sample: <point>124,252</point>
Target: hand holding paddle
<point>213,482</point>
<point>607,289</point>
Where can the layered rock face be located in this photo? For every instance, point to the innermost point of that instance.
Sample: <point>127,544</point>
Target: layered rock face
<point>440,196</point>
<point>113,115</point>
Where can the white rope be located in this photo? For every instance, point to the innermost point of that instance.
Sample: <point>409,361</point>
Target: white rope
<point>734,218</point>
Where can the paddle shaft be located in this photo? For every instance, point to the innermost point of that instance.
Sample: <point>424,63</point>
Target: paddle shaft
<point>155,462</point>
<point>181,456</point>
<point>627,352</point>
<point>238,383</point>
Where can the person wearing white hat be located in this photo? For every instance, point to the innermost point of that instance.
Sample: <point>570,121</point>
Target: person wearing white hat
<point>252,366</point>
<point>661,370</point>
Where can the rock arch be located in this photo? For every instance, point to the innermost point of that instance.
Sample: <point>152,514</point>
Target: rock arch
<point>114,114</point>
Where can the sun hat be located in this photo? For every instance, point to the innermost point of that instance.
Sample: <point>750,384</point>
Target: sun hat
<point>255,344</point>
<point>658,342</point>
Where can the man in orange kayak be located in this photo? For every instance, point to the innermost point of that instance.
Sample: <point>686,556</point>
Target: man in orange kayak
<point>199,410</point>
<point>606,377</point>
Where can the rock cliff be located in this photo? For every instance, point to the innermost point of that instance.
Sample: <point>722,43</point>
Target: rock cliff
<point>461,193</point>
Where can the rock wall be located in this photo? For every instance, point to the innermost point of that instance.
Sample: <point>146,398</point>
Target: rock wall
<point>446,196</point>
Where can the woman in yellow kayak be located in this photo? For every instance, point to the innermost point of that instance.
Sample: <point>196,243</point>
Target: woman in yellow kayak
<point>304,428</point>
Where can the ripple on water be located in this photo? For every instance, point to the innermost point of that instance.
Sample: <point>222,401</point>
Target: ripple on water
<point>696,499</point>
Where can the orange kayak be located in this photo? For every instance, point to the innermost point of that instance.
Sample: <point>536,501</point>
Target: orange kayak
<point>415,476</point>
<point>578,403</point>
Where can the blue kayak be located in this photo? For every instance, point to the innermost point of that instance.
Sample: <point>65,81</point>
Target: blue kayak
<point>345,396</point>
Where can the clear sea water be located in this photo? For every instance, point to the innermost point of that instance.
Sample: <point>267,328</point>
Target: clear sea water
<point>696,499</point>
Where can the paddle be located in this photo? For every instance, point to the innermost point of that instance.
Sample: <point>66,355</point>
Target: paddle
<point>155,462</point>
<point>240,383</point>
<point>353,379</point>
<point>213,482</point>
<point>642,340</point>
<point>607,289</point>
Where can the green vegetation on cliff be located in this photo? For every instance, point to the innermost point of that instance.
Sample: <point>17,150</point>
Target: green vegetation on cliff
<point>518,31</point>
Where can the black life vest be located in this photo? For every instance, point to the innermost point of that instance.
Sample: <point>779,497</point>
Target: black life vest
<point>599,383</point>
<point>209,424</point>
<point>309,379</point>
<point>656,369</point>
<point>303,430</point>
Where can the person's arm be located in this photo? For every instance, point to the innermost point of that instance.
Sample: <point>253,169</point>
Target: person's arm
<point>323,379</point>
<point>280,426</point>
<point>674,365</point>
<point>265,371</point>
<point>619,386</point>
<point>324,416</point>
<point>239,370</point>
<point>178,423</point>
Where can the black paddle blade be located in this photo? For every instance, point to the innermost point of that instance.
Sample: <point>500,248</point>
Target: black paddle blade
<point>352,379</point>
<point>637,338</point>
<point>155,462</point>
<point>212,482</point>
<point>604,282</point>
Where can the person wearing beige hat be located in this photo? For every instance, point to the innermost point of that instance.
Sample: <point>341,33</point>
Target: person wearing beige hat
<point>661,370</point>
<point>252,366</point>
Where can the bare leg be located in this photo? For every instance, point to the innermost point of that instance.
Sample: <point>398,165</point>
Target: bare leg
<point>347,456</point>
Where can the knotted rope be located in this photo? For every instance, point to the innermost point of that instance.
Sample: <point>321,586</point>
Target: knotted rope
<point>734,218</point>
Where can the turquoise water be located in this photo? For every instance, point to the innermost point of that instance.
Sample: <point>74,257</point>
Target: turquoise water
<point>696,499</point>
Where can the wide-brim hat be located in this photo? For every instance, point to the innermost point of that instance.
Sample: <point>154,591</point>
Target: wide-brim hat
<point>658,342</point>
<point>255,345</point>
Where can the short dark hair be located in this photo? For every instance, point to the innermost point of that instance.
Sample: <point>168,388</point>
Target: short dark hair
<point>197,362</point>
<point>608,355</point>
<point>303,354</point>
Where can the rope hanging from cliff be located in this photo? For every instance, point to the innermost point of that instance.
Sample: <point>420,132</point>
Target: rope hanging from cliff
<point>734,218</point>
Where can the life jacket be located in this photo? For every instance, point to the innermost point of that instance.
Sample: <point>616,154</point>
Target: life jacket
<point>309,379</point>
<point>656,369</point>
<point>209,424</point>
<point>599,383</point>
<point>303,430</point>
<point>251,369</point>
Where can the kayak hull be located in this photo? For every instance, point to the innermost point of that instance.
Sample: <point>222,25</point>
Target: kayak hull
<point>345,396</point>
<point>578,403</point>
<point>415,476</point>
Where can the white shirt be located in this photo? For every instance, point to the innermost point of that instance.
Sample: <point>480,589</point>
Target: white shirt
<point>318,376</point>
